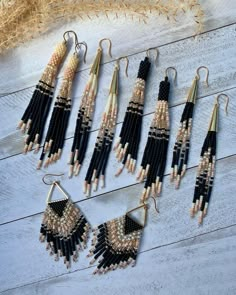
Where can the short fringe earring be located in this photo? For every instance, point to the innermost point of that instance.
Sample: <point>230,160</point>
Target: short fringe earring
<point>35,115</point>
<point>128,142</point>
<point>105,136</point>
<point>116,242</point>
<point>206,167</point>
<point>182,143</point>
<point>155,153</point>
<point>85,113</point>
<point>63,227</point>
<point>55,137</point>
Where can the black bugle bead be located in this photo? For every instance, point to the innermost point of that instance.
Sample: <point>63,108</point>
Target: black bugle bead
<point>164,89</point>
<point>98,253</point>
<point>144,68</point>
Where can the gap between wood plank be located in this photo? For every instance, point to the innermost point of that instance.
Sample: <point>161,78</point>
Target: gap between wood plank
<point>99,195</point>
<point>141,252</point>
<point>131,54</point>
<point>118,123</point>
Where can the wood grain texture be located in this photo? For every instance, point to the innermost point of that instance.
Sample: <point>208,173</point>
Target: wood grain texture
<point>210,49</point>
<point>31,263</point>
<point>176,255</point>
<point>22,198</point>
<point>192,266</point>
<point>25,63</point>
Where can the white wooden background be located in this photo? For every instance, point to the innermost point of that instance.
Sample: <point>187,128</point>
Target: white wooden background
<point>176,255</point>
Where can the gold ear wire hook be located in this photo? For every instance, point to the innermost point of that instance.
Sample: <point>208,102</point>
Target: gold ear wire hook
<point>110,45</point>
<point>226,101</point>
<point>173,69</point>
<point>78,45</point>
<point>50,174</point>
<point>68,33</point>
<point>155,204</point>
<point>127,64</point>
<point>157,53</point>
<point>207,73</point>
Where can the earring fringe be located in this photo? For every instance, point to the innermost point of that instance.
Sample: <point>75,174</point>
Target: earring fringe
<point>84,119</point>
<point>104,140</point>
<point>127,145</point>
<point>34,118</point>
<point>206,170</point>
<point>182,143</point>
<point>55,137</point>
<point>155,153</point>
<point>115,244</point>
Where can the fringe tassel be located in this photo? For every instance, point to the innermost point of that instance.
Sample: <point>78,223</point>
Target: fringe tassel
<point>128,142</point>
<point>155,153</point>
<point>206,170</point>
<point>54,141</point>
<point>104,140</point>
<point>116,244</point>
<point>182,143</point>
<point>34,118</point>
<point>84,119</point>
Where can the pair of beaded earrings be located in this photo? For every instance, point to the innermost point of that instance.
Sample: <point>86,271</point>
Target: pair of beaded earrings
<point>66,230</point>
<point>34,118</point>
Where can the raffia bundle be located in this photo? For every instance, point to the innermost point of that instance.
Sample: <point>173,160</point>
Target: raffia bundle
<point>22,20</point>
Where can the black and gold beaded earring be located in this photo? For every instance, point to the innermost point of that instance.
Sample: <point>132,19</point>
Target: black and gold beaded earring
<point>206,167</point>
<point>64,227</point>
<point>182,143</point>
<point>99,159</point>
<point>55,137</point>
<point>128,142</point>
<point>116,242</point>
<point>155,153</point>
<point>85,113</point>
<point>34,118</point>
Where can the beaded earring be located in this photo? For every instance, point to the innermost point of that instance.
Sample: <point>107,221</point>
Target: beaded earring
<point>128,142</point>
<point>206,167</point>
<point>98,162</point>
<point>182,143</point>
<point>85,113</point>
<point>116,242</point>
<point>34,118</point>
<point>155,153</point>
<point>54,141</point>
<point>64,227</point>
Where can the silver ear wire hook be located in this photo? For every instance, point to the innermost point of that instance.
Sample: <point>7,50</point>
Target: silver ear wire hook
<point>78,47</point>
<point>226,101</point>
<point>50,174</point>
<point>207,74</point>
<point>157,53</point>
<point>175,71</point>
<point>127,64</point>
<point>110,45</point>
<point>68,33</point>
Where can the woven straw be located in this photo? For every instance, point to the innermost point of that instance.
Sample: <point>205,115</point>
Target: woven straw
<point>22,20</point>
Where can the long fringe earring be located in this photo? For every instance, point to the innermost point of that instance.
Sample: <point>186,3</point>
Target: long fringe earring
<point>105,136</point>
<point>64,227</point>
<point>206,167</point>
<point>128,142</point>
<point>85,113</point>
<point>34,118</point>
<point>55,137</point>
<point>155,153</point>
<point>182,143</point>
<point>116,242</point>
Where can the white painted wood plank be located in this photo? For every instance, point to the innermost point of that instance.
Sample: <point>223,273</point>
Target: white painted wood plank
<point>215,50</point>
<point>196,266</point>
<point>22,187</point>
<point>22,66</point>
<point>25,260</point>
